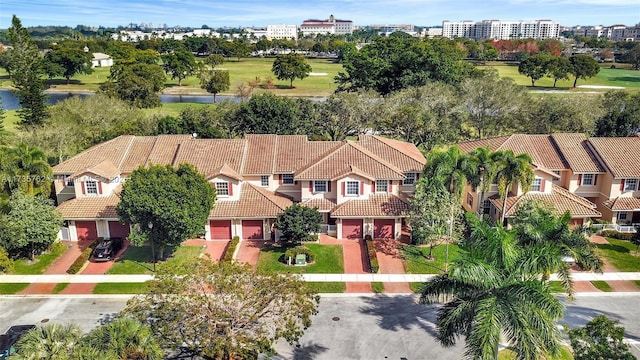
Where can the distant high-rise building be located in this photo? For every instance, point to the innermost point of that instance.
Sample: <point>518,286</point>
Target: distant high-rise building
<point>501,30</point>
<point>614,32</point>
<point>324,27</point>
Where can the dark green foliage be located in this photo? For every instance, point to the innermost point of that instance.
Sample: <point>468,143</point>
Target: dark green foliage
<point>621,115</point>
<point>295,251</point>
<point>601,338</point>
<point>177,203</point>
<point>136,79</point>
<point>290,67</point>
<point>231,249</point>
<point>635,239</point>
<point>372,256</point>
<point>215,81</point>
<point>24,168</point>
<point>79,262</point>
<point>617,235</point>
<point>583,67</point>
<point>535,67</point>
<point>6,264</point>
<point>298,222</point>
<point>122,338</point>
<point>67,61</point>
<point>179,64</point>
<point>270,114</point>
<point>558,68</point>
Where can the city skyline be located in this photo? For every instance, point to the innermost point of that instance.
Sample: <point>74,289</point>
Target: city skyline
<point>244,13</point>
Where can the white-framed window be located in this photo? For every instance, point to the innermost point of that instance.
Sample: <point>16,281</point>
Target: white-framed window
<point>622,215</point>
<point>588,179</point>
<point>469,199</point>
<point>91,187</point>
<point>536,185</point>
<point>320,186</point>
<point>630,184</point>
<point>222,188</point>
<point>382,186</point>
<point>410,179</point>
<point>287,179</point>
<point>264,180</point>
<point>486,207</point>
<point>556,179</point>
<point>352,188</point>
<point>69,182</point>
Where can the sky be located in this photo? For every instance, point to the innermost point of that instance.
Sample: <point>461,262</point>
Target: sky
<point>235,13</point>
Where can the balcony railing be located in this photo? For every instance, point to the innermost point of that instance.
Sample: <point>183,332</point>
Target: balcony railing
<point>619,228</point>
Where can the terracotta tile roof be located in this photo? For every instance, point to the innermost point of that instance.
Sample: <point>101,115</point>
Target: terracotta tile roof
<point>113,150</point>
<point>493,144</point>
<point>349,154</point>
<point>574,149</point>
<point>351,169</point>
<point>93,207</point>
<point>549,154</point>
<point>377,205</point>
<point>209,155</point>
<point>295,151</point>
<point>104,169</point>
<point>560,198</point>
<point>321,204</point>
<point>623,203</point>
<point>227,171</point>
<point>620,155</point>
<point>403,155</point>
<point>165,148</point>
<point>254,202</point>
<point>137,153</point>
<point>261,154</point>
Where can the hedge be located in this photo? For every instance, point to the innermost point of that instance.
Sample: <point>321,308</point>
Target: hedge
<point>371,255</point>
<point>6,264</point>
<point>616,235</point>
<point>83,257</point>
<point>295,251</point>
<point>231,248</point>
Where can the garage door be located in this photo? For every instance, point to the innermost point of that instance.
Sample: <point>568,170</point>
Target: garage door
<point>86,230</point>
<point>220,229</point>
<point>117,230</point>
<point>252,229</point>
<point>352,228</point>
<point>384,228</point>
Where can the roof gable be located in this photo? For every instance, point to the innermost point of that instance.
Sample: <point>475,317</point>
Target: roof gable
<point>620,155</point>
<point>576,153</point>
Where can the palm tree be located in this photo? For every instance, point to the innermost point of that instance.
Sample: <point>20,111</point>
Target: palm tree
<point>493,292</point>
<point>26,168</point>
<point>123,338</point>
<point>451,167</point>
<point>512,170</point>
<point>51,341</point>
<point>482,159</point>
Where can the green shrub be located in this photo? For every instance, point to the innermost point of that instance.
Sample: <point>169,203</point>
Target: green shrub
<point>371,255</point>
<point>83,257</point>
<point>6,264</point>
<point>231,248</point>
<point>295,251</point>
<point>616,235</point>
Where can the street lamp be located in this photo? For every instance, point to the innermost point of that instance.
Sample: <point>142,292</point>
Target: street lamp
<point>446,260</point>
<point>153,253</point>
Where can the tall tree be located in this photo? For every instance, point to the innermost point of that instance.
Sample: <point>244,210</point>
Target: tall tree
<point>50,341</point>
<point>535,67</point>
<point>290,67</point>
<point>27,74</point>
<point>600,338</point>
<point>348,114</point>
<point>122,338</point>
<point>481,159</point>
<point>621,114</point>
<point>583,67</point>
<point>225,310</point>
<point>4,134</point>
<point>179,64</point>
<point>512,170</point>
<point>492,293</point>
<point>451,168</point>
<point>215,81</point>
<point>559,68</point>
<point>298,222</point>
<point>270,114</point>
<point>176,202</point>
<point>68,61</point>
<point>25,168</point>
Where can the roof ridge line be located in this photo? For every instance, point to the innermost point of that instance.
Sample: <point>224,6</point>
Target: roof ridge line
<point>261,192</point>
<point>317,159</point>
<point>244,156</point>
<point>126,152</point>
<point>380,139</point>
<point>375,157</point>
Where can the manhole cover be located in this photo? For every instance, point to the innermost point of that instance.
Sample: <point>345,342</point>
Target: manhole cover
<point>335,318</point>
<point>44,320</point>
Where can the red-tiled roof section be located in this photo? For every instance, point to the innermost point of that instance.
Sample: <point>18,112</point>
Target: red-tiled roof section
<point>209,155</point>
<point>403,155</point>
<point>574,149</point>
<point>623,203</point>
<point>493,144</point>
<point>295,151</point>
<point>377,205</point>
<point>349,154</point>
<point>254,202</point>
<point>560,198</point>
<point>620,155</point>
<point>94,207</point>
<point>113,150</point>
<point>104,169</point>
<point>227,171</point>
<point>549,154</point>
<point>321,204</point>
<point>261,154</point>
<point>137,154</point>
<point>165,148</point>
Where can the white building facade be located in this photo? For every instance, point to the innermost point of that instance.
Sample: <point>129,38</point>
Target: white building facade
<point>330,26</point>
<point>501,30</point>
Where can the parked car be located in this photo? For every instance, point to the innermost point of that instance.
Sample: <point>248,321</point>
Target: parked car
<point>10,338</point>
<point>107,249</point>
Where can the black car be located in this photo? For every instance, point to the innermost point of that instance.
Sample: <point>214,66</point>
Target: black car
<point>8,339</point>
<point>107,249</point>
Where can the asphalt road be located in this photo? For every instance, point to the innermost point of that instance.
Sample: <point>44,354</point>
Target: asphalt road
<point>379,327</point>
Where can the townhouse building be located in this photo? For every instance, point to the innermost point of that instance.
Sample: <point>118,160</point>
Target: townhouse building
<point>360,187</point>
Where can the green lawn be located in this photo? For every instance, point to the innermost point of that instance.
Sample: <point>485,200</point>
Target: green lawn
<point>328,259</point>
<point>41,263</point>
<point>415,286</point>
<point>565,354</point>
<point>556,287</point>
<point>416,258</point>
<point>606,77</point>
<point>621,254</point>
<point>328,287</point>
<point>602,286</point>
<point>12,288</point>
<point>137,260</point>
<point>171,109</point>
<point>59,287</point>
<point>121,288</point>
<point>637,282</point>
<point>377,287</point>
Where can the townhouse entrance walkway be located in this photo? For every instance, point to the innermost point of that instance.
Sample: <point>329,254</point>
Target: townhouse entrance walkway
<point>355,261</point>
<point>390,261</point>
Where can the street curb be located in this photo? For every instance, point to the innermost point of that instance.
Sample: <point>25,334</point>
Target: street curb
<point>71,296</point>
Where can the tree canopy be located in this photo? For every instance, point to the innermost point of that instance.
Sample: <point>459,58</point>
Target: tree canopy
<point>600,338</point>
<point>621,115</point>
<point>583,67</point>
<point>179,64</point>
<point>290,67</point>
<point>298,222</point>
<point>67,61</point>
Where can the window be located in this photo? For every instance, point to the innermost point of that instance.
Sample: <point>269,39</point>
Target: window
<point>353,188</point>
<point>382,186</point>
<point>556,179</point>
<point>69,181</point>
<point>622,216</point>
<point>588,179</point>
<point>320,186</point>
<point>222,188</point>
<point>536,185</point>
<point>630,184</point>
<point>410,179</point>
<point>264,180</point>
<point>486,206</point>
<point>287,179</point>
<point>91,187</point>
<point>469,199</point>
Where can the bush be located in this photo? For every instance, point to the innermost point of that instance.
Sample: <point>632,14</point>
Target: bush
<point>6,264</point>
<point>616,235</point>
<point>83,257</point>
<point>371,255</point>
<point>231,248</point>
<point>295,251</point>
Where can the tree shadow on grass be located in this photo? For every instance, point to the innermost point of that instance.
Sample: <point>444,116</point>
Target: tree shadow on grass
<point>401,313</point>
<point>611,247</point>
<point>626,78</point>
